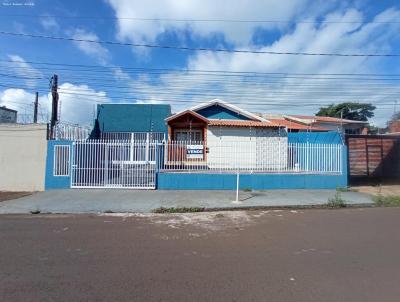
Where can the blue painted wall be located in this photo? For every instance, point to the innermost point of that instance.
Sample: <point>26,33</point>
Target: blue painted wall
<point>205,181</point>
<point>192,181</point>
<point>51,181</point>
<point>132,117</point>
<point>219,112</point>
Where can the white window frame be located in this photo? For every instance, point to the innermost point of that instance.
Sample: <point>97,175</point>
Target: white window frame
<point>61,160</point>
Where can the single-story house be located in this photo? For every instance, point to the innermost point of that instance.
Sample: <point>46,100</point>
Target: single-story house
<point>144,146</point>
<point>293,126</point>
<point>224,135</point>
<point>344,126</point>
<point>311,123</point>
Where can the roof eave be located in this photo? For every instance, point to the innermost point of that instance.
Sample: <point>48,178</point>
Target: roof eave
<point>230,107</point>
<point>188,111</point>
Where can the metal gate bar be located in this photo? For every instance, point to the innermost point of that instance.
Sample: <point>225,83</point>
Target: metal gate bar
<point>114,164</point>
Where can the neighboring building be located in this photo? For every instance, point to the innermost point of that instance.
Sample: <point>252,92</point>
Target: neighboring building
<point>394,127</point>
<point>131,121</point>
<point>22,157</point>
<point>344,126</point>
<point>7,115</point>
<point>293,126</point>
<point>305,123</point>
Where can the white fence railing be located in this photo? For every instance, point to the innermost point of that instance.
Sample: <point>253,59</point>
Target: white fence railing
<point>65,131</point>
<point>134,136</point>
<point>252,156</point>
<point>133,164</point>
<point>113,164</point>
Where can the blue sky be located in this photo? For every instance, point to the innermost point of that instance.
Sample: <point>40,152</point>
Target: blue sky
<point>304,26</point>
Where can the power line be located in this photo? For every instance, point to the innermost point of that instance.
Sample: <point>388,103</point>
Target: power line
<point>19,103</point>
<point>161,70</point>
<point>270,78</point>
<point>183,48</point>
<point>211,85</point>
<point>185,20</point>
<point>21,77</point>
<point>230,90</point>
<point>207,80</point>
<point>181,101</point>
<point>261,92</point>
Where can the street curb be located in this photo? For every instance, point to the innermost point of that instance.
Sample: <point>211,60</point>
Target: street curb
<point>216,209</point>
<point>288,207</point>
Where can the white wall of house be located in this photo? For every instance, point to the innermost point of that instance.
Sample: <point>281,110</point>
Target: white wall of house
<point>246,148</point>
<point>337,127</point>
<point>23,150</point>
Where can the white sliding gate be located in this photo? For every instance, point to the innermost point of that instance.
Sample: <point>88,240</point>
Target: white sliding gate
<point>114,164</point>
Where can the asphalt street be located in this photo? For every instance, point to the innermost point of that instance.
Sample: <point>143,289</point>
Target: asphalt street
<point>289,255</point>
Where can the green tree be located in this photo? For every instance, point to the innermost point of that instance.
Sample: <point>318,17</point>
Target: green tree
<point>352,111</point>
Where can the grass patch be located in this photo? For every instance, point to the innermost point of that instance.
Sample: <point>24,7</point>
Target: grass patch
<point>179,210</point>
<point>387,201</point>
<point>337,201</point>
<point>108,211</point>
<point>342,189</point>
<point>247,190</point>
<point>35,212</point>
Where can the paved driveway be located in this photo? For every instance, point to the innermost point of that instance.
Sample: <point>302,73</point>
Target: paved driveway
<point>102,200</point>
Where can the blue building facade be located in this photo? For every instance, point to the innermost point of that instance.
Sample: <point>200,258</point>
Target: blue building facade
<point>122,121</point>
<point>131,118</point>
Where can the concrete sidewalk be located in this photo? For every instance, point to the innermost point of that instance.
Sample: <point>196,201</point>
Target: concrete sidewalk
<point>102,200</point>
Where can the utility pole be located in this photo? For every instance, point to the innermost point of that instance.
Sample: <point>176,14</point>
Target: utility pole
<point>35,109</point>
<point>54,105</point>
<point>341,120</point>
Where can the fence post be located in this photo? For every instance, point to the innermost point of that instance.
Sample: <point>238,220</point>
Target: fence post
<point>237,189</point>
<point>106,164</point>
<point>72,166</point>
<point>307,156</point>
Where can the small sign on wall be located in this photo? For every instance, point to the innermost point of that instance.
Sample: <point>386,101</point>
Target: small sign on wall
<point>194,151</point>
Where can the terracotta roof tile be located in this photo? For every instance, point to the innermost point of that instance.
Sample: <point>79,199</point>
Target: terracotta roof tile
<point>295,126</point>
<point>328,119</point>
<point>241,123</point>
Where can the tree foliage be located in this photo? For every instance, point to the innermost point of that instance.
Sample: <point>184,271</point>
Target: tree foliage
<point>352,111</point>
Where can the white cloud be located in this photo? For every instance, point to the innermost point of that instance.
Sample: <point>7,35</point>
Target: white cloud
<point>21,68</point>
<point>307,37</point>
<point>22,101</point>
<point>77,103</point>
<point>91,49</point>
<point>329,36</point>
<point>49,23</point>
<point>325,38</point>
<point>237,33</point>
